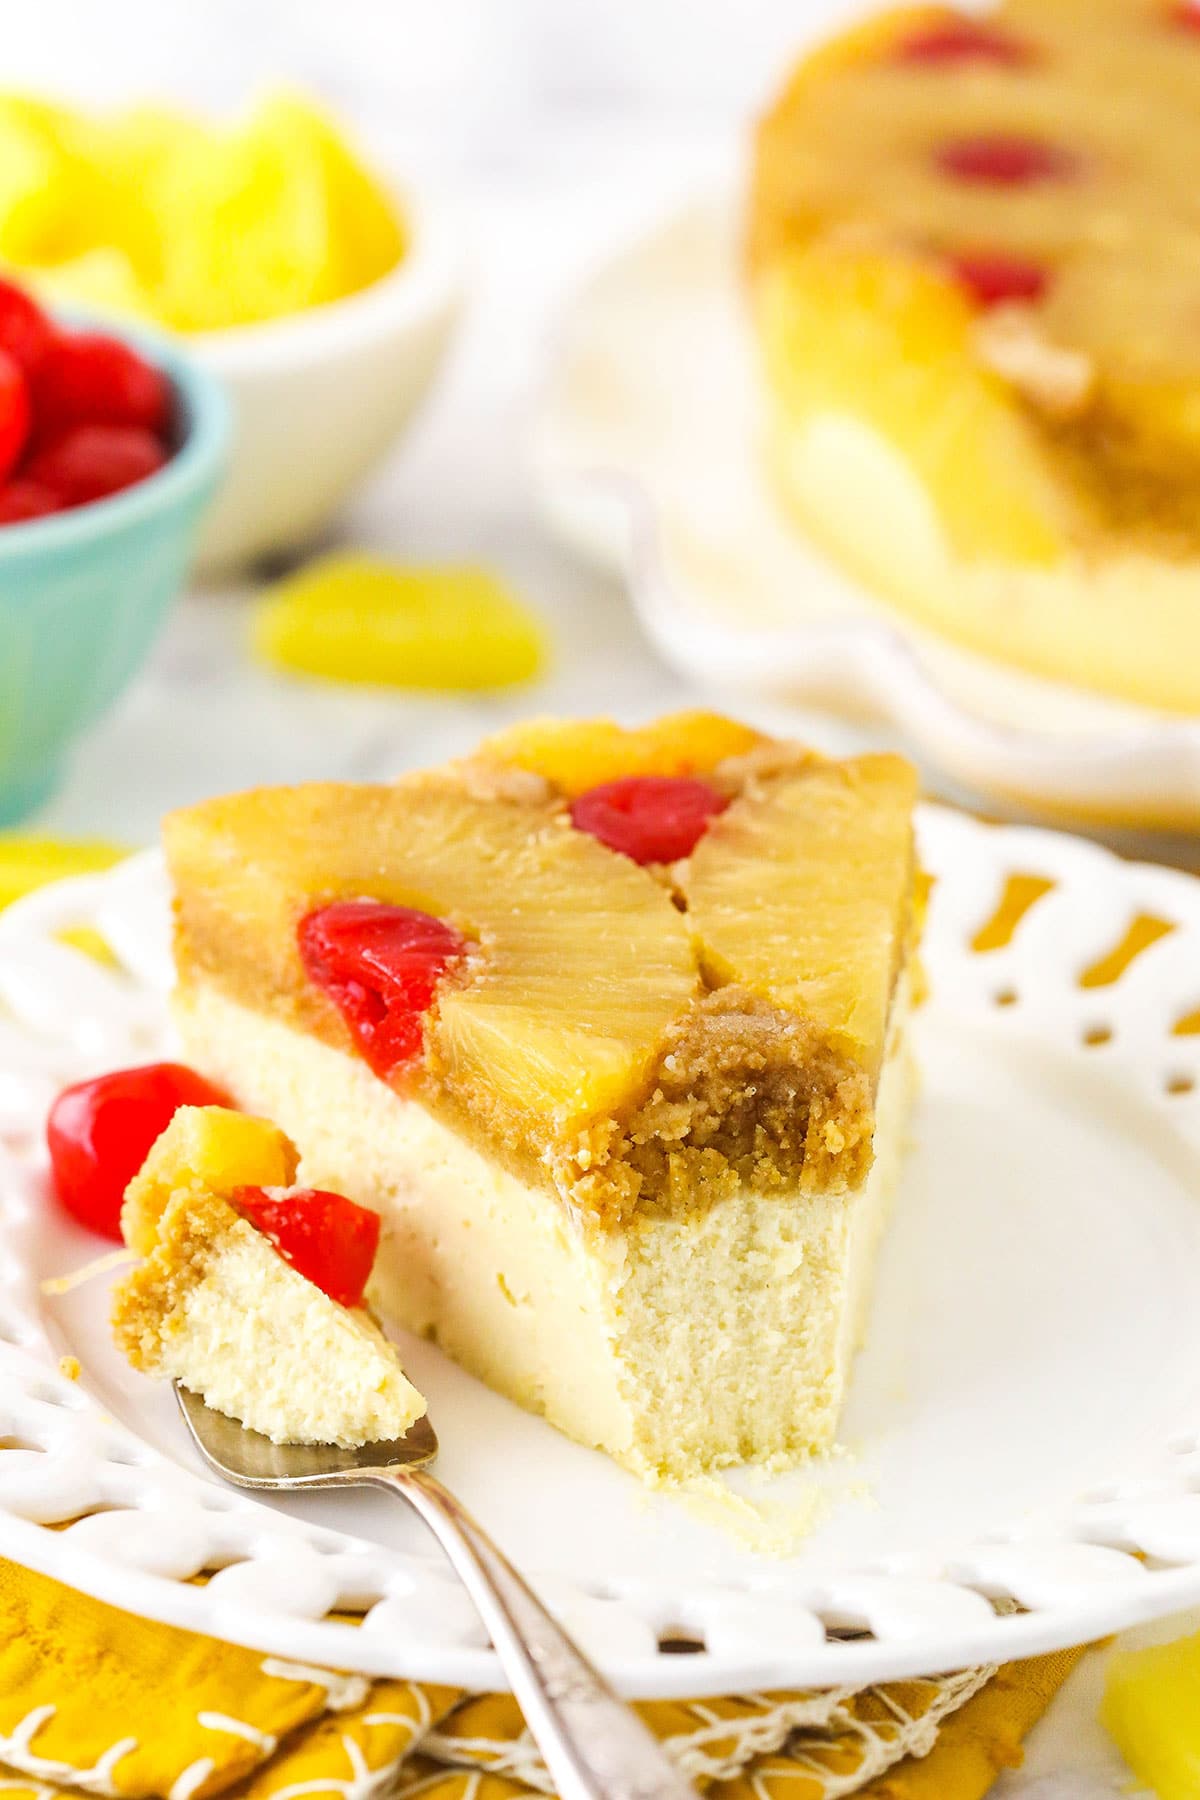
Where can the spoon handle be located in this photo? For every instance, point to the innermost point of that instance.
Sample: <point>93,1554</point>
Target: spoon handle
<point>595,1746</point>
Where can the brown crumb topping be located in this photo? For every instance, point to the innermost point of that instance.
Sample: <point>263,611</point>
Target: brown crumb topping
<point>484,779</point>
<point>1135,491</point>
<point>773,757</point>
<point>1056,380</point>
<point>743,1095</point>
<point>149,1303</point>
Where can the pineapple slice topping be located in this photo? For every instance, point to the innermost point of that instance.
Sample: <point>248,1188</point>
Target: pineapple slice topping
<point>578,961</point>
<point>208,1149</point>
<point>577,754</point>
<point>799,891</point>
<point>582,960</point>
<point>889,340</point>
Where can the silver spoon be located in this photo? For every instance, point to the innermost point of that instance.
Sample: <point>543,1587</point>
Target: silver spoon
<point>595,1747</point>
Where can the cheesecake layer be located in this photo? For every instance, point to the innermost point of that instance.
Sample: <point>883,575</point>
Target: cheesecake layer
<point>677,1339</point>
<point>215,1307</point>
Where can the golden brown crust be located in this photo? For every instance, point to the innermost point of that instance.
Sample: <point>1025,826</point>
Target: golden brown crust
<point>151,1300</point>
<point>744,1095</point>
<point>1120,479</point>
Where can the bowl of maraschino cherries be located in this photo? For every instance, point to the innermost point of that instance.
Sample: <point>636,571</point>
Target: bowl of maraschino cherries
<point>111,446</point>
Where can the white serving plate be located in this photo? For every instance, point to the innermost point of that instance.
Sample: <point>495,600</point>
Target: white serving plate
<point>1023,1435</point>
<point>647,458</point>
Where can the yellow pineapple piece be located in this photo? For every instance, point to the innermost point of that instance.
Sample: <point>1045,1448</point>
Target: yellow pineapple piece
<point>888,341</point>
<point>577,754</point>
<point>583,960</point>
<point>247,229</point>
<point>799,891</point>
<point>102,280</point>
<point>120,232</point>
<point>1149,1710</point>
<point>205,1149</point>
<point>153,212</point>
<point>27,863</point>
<point>595,1141</point>
<point>1148,377</point>
<point>359,618</point>
<point>30,194</point>
<point>270,217</point>
<point>366,234</point>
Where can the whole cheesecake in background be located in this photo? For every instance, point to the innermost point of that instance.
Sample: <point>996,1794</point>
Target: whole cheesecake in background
<point>974,260</point>
<point>610,1028</point>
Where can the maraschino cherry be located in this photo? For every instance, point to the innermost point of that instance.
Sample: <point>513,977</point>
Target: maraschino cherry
<point>328,1239</point>
<point>381,965</point>
<point>651,818</point>
<point>99,1133</point>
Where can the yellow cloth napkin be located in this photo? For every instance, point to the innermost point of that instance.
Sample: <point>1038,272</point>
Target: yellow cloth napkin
<point>97,1701</point>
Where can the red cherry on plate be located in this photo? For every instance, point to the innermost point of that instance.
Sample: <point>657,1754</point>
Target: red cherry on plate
<point>99,1133</point>
<point>89,378</point>
<point>950,42</point>
<point>88,462</point>
<point>15,412</point>
<point>992,278</point>
<point>381,966</point>
<point>25,330</point>
<point>22,499</point>
<point>328,1239</point>
<point>1002,161</point>
<point>652,818</point>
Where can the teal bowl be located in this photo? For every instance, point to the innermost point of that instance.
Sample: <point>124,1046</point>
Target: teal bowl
<point>83,593</point>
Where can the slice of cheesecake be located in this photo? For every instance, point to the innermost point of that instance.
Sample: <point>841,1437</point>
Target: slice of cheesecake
<point>610,1028</point>
<point>972,256</point>
<point>217,1305</point>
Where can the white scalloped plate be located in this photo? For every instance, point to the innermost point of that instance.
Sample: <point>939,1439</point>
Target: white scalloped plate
<point>1023,1435</point>
<point>647,458</point>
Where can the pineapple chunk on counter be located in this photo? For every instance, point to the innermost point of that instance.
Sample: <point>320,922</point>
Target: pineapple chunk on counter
<point>574,755</point>
<point>361,618</point>
<point>1151,1710</point>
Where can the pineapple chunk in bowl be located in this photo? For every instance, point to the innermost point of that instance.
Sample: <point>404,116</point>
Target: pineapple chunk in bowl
<point>318,291</point>
<point>320,396</point>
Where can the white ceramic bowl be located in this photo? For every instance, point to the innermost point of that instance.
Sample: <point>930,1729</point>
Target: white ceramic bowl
<point>319,397</point>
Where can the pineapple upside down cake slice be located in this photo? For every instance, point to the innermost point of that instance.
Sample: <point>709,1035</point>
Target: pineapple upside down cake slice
<point>609,1026</point>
